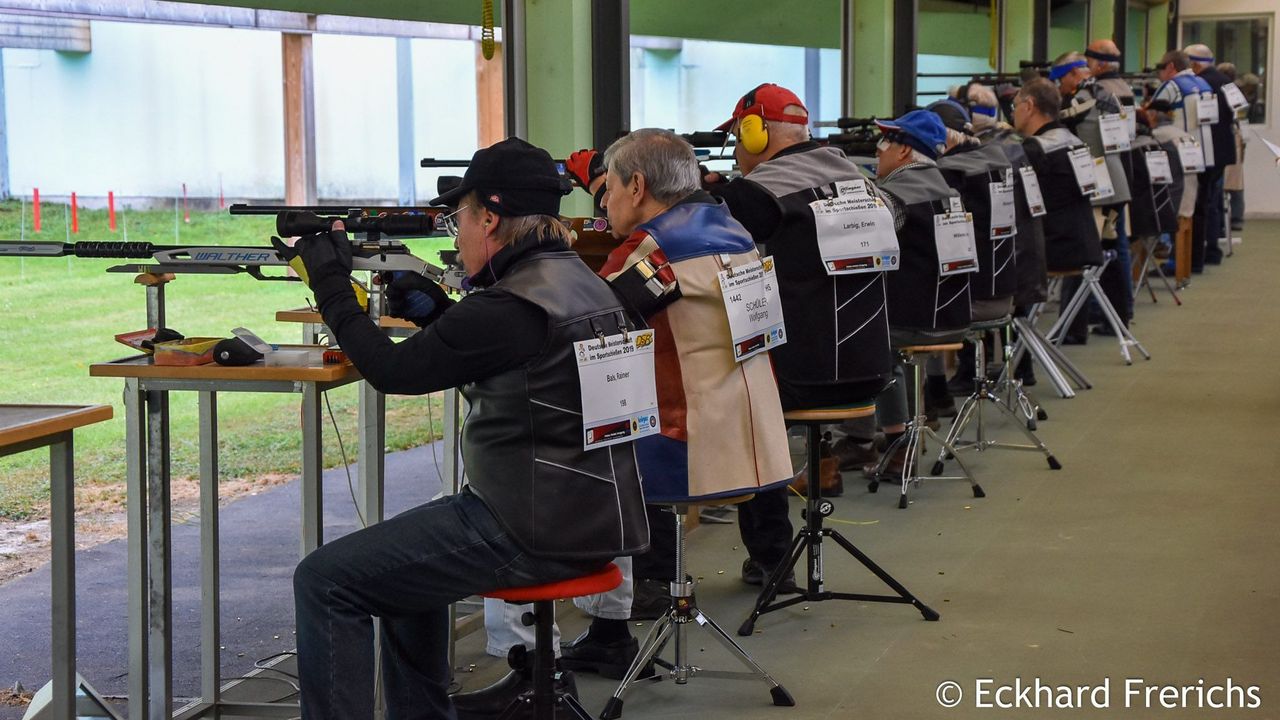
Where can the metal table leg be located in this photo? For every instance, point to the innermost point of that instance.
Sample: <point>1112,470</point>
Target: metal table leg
<point>210,585</point>
<point>160,559</point>
<point>136,473</point>
<point>312,467</point>
<point>63,574</point>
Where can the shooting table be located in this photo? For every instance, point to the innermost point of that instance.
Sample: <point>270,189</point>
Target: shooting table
<point>30,427</point>
<point>146,398</point>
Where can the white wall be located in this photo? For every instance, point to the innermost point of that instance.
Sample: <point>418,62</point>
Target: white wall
<point>1261,172</point>
<point>154,106</point>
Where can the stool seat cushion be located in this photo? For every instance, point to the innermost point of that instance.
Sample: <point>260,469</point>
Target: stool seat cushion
<point>830,414</point>
<point>603,580</point>
<point>930,348</point>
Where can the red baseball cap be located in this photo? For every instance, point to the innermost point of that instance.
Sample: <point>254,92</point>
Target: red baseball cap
<point>767,101</point>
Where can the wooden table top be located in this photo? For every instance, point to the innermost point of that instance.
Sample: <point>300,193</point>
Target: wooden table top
<point>22,423</point>
<point>140,366</point>
<point>307,315</point>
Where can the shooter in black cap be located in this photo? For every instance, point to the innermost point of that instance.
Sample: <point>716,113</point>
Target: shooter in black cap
<point>538,507</point>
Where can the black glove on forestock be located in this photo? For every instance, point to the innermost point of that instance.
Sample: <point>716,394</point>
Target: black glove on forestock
<point>415,298</point>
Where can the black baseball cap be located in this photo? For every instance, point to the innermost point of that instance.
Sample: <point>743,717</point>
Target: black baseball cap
<point>512,178</point>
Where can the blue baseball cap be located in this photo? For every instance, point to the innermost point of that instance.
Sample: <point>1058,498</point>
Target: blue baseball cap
<point>920,129</point>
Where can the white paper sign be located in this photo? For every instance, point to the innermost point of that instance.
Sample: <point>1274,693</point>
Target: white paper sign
<point>1102,175</point>
<point>1115,133</point>
<point>1004,213</point>
<point>1206,144</point>
<point>1235,98</point>
<point>1031,185</point>
<point>1190,155</point>
<point>1158,167</point>
<point>1082,166</point>
<point>957,251</point>
<point>1207,108</point>
<point>855,232</point>
<point>619,397</point>
<point>754,308</point>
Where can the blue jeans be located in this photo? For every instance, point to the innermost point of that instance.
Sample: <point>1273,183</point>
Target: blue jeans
<point>406,571</point>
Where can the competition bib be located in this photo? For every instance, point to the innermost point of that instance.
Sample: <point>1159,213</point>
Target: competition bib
<point>1207,108</point>
<point>1102,176</point>
<point>855,231</point>
<point>619,397</point>
<point>754,308</point>
<point>1234,97</point>
<point>1115,132</point>
<point>1082,166</point>
<point>1190,155</point>
<point>953,234</point>
<point>1158,167</point>
<point>1031,185</point>
<point>1003,212</point>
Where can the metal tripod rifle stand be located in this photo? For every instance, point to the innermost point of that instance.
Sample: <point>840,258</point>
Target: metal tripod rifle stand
<point>809,541</point>
<point>1090,287</point>
<point>672,626</point>
<point>1150,263</point>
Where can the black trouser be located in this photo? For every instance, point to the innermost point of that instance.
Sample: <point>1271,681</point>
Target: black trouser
<point>659,562</point>
<point>1207,227</point>
<point>765,525</point>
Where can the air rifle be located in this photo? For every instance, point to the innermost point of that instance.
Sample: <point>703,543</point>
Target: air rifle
<point>371,250</point>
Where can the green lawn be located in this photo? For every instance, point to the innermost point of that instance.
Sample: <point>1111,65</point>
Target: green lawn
<point>59,315</point>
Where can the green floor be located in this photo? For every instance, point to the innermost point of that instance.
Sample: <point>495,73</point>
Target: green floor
<point>1150,555</point>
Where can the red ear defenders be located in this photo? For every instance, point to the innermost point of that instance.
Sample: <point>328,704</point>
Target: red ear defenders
<point>753,131</point>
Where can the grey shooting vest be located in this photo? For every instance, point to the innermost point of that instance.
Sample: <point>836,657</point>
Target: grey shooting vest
<point>523,438</point>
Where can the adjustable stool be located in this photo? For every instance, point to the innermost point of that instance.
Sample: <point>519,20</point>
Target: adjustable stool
<point>673,624</point>
<point>983,393</point>
<point>917,431</point>
<point>809,538</point>
<point>1090,287</point>
<point>544,698</point>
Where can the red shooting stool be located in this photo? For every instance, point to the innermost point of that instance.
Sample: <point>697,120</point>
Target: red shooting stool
<point>544,697</point>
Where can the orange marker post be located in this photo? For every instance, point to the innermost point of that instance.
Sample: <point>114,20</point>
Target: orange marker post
<point>111,210</point>
<point>35,209</point>
<point>75,220</point>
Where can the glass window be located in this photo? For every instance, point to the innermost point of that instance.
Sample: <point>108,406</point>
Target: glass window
<point>1068,27</point>
<point>1242,42</point>
<point>1136,37</point>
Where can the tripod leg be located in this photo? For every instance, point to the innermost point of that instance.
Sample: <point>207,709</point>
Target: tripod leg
<point>656,638</point>
<point>928,612</point>
<point>780,694</point>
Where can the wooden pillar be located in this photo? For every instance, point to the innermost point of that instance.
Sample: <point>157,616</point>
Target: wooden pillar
<point>490,121</point>
<point>299,120</point>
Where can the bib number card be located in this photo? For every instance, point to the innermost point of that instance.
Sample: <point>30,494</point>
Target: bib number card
<point>855,231</point>
<point>1158,168</point>
<point>1031,185</point>
<point>1234,97</point>
<point>1003,211</point>
<point>1082,166</point>
<point>1190,155</point>
<point>619,397</point>
<point>754,308</point>
<point>1207,108</point>
<point>1115,133</point>
<point>1102,175</point>
<point>957,251</point>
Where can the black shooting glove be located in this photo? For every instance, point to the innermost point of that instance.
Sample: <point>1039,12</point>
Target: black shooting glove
<point>325,260</point>
<point>415,298</point>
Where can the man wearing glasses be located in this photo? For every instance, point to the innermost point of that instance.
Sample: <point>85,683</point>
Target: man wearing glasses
<point>538,507</point>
